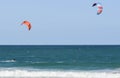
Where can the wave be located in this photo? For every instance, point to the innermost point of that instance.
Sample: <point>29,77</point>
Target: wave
<point>8,61</point>
<point>15,72</point>
<point>42,62</point>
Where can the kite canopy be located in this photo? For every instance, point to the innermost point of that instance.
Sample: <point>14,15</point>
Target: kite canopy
<point>28,24</point>
<point>99,6</point>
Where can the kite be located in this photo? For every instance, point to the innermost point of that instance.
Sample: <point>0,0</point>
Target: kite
<point>28,24</point>
<point>99,6</point>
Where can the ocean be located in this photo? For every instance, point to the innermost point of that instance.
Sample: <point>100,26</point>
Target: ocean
<point>59,61</point>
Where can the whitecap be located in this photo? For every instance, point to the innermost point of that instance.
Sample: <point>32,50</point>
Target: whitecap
<point>8,61</point>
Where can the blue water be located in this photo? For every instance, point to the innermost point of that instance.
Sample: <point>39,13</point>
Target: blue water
<point>60,58</point>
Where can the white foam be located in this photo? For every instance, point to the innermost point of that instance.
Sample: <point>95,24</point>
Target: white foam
<point>16,73</point>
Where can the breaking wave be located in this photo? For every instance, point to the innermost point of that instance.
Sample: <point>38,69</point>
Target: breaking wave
<point>33,73</point>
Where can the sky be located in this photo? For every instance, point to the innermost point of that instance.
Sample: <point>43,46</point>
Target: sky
<point>59,22</point>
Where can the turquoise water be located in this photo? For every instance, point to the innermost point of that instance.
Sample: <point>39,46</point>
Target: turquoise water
<point>59,58</point>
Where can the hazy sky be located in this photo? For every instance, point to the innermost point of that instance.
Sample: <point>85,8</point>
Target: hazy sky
<point>59,22</point>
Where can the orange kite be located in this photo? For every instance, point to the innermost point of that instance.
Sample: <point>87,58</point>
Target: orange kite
<point>28,24</point>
